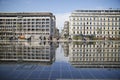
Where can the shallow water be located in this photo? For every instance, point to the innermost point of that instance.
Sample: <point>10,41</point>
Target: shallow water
<point>59,61</point>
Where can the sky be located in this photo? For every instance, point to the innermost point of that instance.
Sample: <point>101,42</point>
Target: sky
<point>60,8</point>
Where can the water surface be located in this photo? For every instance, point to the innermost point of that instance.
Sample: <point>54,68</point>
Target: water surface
<point>59,60</point>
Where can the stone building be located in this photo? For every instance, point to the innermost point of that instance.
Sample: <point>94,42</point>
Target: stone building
<point>98,23</point>
<point>39,25</point>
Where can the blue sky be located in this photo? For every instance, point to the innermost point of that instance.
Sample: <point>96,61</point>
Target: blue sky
<point>56,6</point>
<point>61,8</point>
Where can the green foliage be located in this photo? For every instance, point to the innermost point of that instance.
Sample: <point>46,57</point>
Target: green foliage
<point>91,37</point>
<point>66,35</point>
<point>76,37</point>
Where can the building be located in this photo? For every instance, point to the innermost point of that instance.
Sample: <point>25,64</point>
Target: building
<point>57,33</point>
<point>65,30</point>
<point>99,23</point>
<point>95,54</point>
<point>39,25</point>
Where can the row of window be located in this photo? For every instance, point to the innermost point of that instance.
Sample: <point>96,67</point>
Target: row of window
<point>96,55</point>
<point>16,47</point>
<point>97,18</point>
<point>96,32</point>
<point>26,26</point>
<point>24,20</point>
<point>95,50</point>
<point>101,45</point>
<point>20,23</point>
<point>4,34</point>
<point>97,27</point>
<point>24,57</point>
<point>95,23</point>
<point>5,30</point>
<point>94,59</point>
<point>24,53</point>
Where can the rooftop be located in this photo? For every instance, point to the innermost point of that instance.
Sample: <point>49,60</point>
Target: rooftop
<point>26,14</point>
<point>108,10</point>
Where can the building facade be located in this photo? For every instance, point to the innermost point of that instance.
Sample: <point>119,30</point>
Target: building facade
<point>99,23</point>
<point>38,25</point>
<point>56,33</point>
<point>65,30</point>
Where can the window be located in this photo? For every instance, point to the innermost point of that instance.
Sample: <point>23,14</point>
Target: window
<point>87,27</point>
<point>73,18</point>
<point>43,25</point>
<point>47,19</point>
<point>33,19</point>
<point>47,22</point>
<point>90,27</point>
<point>43,22</point>
<point>73,32</point>
<point>47,25</point>
<point>112,28</point>
<point>43,19</point>
<point>116,18</point>
<point>32,22</point>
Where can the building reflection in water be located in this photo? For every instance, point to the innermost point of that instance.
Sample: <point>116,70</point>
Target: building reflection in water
<point>93,54</point>
<point>98,54</point>
<point>42,52</point>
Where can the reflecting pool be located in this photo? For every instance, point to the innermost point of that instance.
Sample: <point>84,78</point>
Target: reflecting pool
<point>96,60</point>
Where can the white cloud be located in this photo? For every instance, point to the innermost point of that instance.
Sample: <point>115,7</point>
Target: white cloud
<point>60,19</point>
